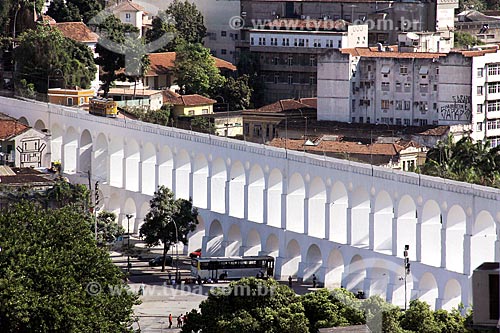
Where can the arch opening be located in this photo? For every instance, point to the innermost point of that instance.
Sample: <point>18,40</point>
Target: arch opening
<point>430,239</point>
<point>295,204</point>
<point>85,154</point>
<point>214,244</point>
<point>148,172</point>
<point>407,227</point>
<point>483,240</point>
<point>455,231</point>
<point>200,178</point>
<point>274,192</point>
<point>182,171</point>
<point>338,213</point>
<point>218,186</point>
<point>382,223</point>
<point>316,211</point>
<point>334,269</point>
<point>255,200</point>
<point>70,151</point>
<point>360,218</point>
<point>237,190</point>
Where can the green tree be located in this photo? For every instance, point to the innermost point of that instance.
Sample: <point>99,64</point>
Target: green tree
<point>195,70</point>
<point>47,263</point>
<point>203,124</point>
<point>465,39</point>
<point>160,26</point>
<point>63,193</point>
<point>108,230</point>
<point>44,53</point>
<point>160,117</point>
<point>237,92</point>
<point>168,220</point>
<point>64,11</point>
<point>249,306</point>
<point>420,318</point>
<point>19,12</point>
<point>188,21</point>
<point>249,64</point>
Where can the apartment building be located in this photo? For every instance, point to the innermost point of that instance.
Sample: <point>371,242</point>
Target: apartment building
<point>288,54</point>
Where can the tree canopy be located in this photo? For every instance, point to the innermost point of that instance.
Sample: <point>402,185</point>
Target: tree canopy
<point>465,160</point>
<point>188,21</point>
<point>168,220</point>
<point>48,260</point>
<point>44,56</point>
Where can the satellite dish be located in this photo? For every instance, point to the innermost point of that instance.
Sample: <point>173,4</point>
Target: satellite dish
<point>412,36</point>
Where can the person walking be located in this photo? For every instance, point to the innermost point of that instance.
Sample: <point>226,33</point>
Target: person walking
<point>314,280</point>
<point>179,321</point>
<point>170,321</point>
<point>290,281</point>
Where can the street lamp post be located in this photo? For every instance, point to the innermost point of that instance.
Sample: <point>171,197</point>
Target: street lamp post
<point>128,216</point>
<point>170,219</point>
<point>227,114</point>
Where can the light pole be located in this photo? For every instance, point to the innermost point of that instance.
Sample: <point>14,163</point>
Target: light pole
<point>128,216</point>
<point>170,219</point>
<point>407,268</point>
<point>227,114</point>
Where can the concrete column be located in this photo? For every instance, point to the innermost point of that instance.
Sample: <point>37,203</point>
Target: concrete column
<point>418,250</point>
<point>467,253</point>
<point>394,236</point>
<point>283,211</point>
<point>497,250</point>
<point>306,216</point>
<point>124,176</point>
<point>140,176</point>
<point>174,180</point>
<point>443,247</point>
<point>228,183</point>
<point>264,206</point>
<point>137,221</point>
<point>157,176</point>
<point>209,193</point>
<point>371,230</point>
<point>327,221</point>
<point>191,184</point>
<point>245,200</point>
<point>349,225</point>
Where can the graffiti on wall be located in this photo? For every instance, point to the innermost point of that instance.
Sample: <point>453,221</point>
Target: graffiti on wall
<point>460,109</point>
<point>30,151</point>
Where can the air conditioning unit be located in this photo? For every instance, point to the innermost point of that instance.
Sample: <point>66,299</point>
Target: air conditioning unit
<point>303,17</point>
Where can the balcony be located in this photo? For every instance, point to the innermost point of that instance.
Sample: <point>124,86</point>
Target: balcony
<point>492,132</point>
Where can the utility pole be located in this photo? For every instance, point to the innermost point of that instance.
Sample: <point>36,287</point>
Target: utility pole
<point>407,269</point>
<point>129,216</point>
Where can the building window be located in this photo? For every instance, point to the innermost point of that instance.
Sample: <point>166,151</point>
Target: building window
<point>290,60</point>
<point>246,129</point>
<point>223,33</point>
<point>82,100</point>
<point>276,78</point>
<point>251,41</point>
<point>312,80</point>
<point>353,105</point>
<point>399,105</point>
<point>398,121</point>
<point>493,106</point>
<point>191,112</point>
<point>480,90</point>
<point>398,86</point>
<point>70,101</point>
<point>493,69</point>
<point>385,104</point>
<point>406,122</point>
<point>437,70</point>
<point>204,111</point>
<point>290,78</point>
<point>479,108</point>
<point>424,87</point>
<point>403,70</point>
<point>257,129</point>
<point>385,86</point>
<point>407,105</point>
<point>312,60</point>
<point>127,17</point>
<point>493,88</point>
<point>493,124</point>
<point>407,87</point>
<point>480,72</point>
<point>276,60</point>
<point>479,127</point>
<point>435,87</point>
<point>223,51</point>
<point>368,120</point>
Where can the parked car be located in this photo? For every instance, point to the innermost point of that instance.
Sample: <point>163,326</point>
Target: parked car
<point>157,261</point>
<point>195,254</point>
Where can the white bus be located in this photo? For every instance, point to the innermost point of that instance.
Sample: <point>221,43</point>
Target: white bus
<point>230,268</point>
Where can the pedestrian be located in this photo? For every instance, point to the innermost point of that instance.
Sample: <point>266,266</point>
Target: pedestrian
<point>141,289</point>
<point>314,280</point>
<point>184,318</point>
<point>290,281</point>
<point>169,277</point>
<point>179,321</point>
<point>170,321</point>
<point>199,280</point>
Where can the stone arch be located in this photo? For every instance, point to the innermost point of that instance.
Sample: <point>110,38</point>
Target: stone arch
<point>293,257</point>
<point>132,159</point>
<point>196,237</point>
<point>398,294</point>
<point>40,125</point>
<point>255,199</point>
<point>382,223</point>
<point>334,269</point>
<point>274,192</point>
<point>272,245</point>
<point>70,149</point>
<point>338,213</point>
<point>314,261</point>
<point>85,154</point>
<point>129,207</point>
<point>214,246</point>
<point>483,240</point>
<point>253,243</point>
<point>116,162</point>
<point>114,206</point>
<point>200,179</point>
<point>165,167</point>
<point>428,289</point>
<point>379,279</point>
<point>182,171</point>
<point>100,167</point>
<point>455,231</point>
<point>295,204</point>
<point>142,214</point>
<point>24,121</point>
<point>360,219</point>
<point>234,241</point>
<point>452,295</point>
<point>237,190</point>
<point>356,274</point>
<point>218,186</point>
<point>316,211</point>
<point>407,227</point>
<point>148,169</point>
<point>56,142</point>
<point>430,238</point>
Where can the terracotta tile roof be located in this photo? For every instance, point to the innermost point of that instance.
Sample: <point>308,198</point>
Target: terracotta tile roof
<point>163,63</point>
<point>47,19</point>
<point>186,100</point>
<point>436,131</point>
<point>372,52</point>
<point>77,31</point>
<point>127,6</point>
<point>285,105</point>
<point>477,53</point>
<point>388,149</point>
<point>311,102</point>
<point>10,127</point>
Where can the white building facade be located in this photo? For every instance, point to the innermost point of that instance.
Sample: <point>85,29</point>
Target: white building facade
<point>346,222</point>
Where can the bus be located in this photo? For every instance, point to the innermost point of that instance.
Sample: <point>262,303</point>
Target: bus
<point>232,268</point>
<point>103,107</point>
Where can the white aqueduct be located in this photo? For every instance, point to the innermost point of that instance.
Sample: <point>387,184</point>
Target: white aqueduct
<point>346,222</point>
